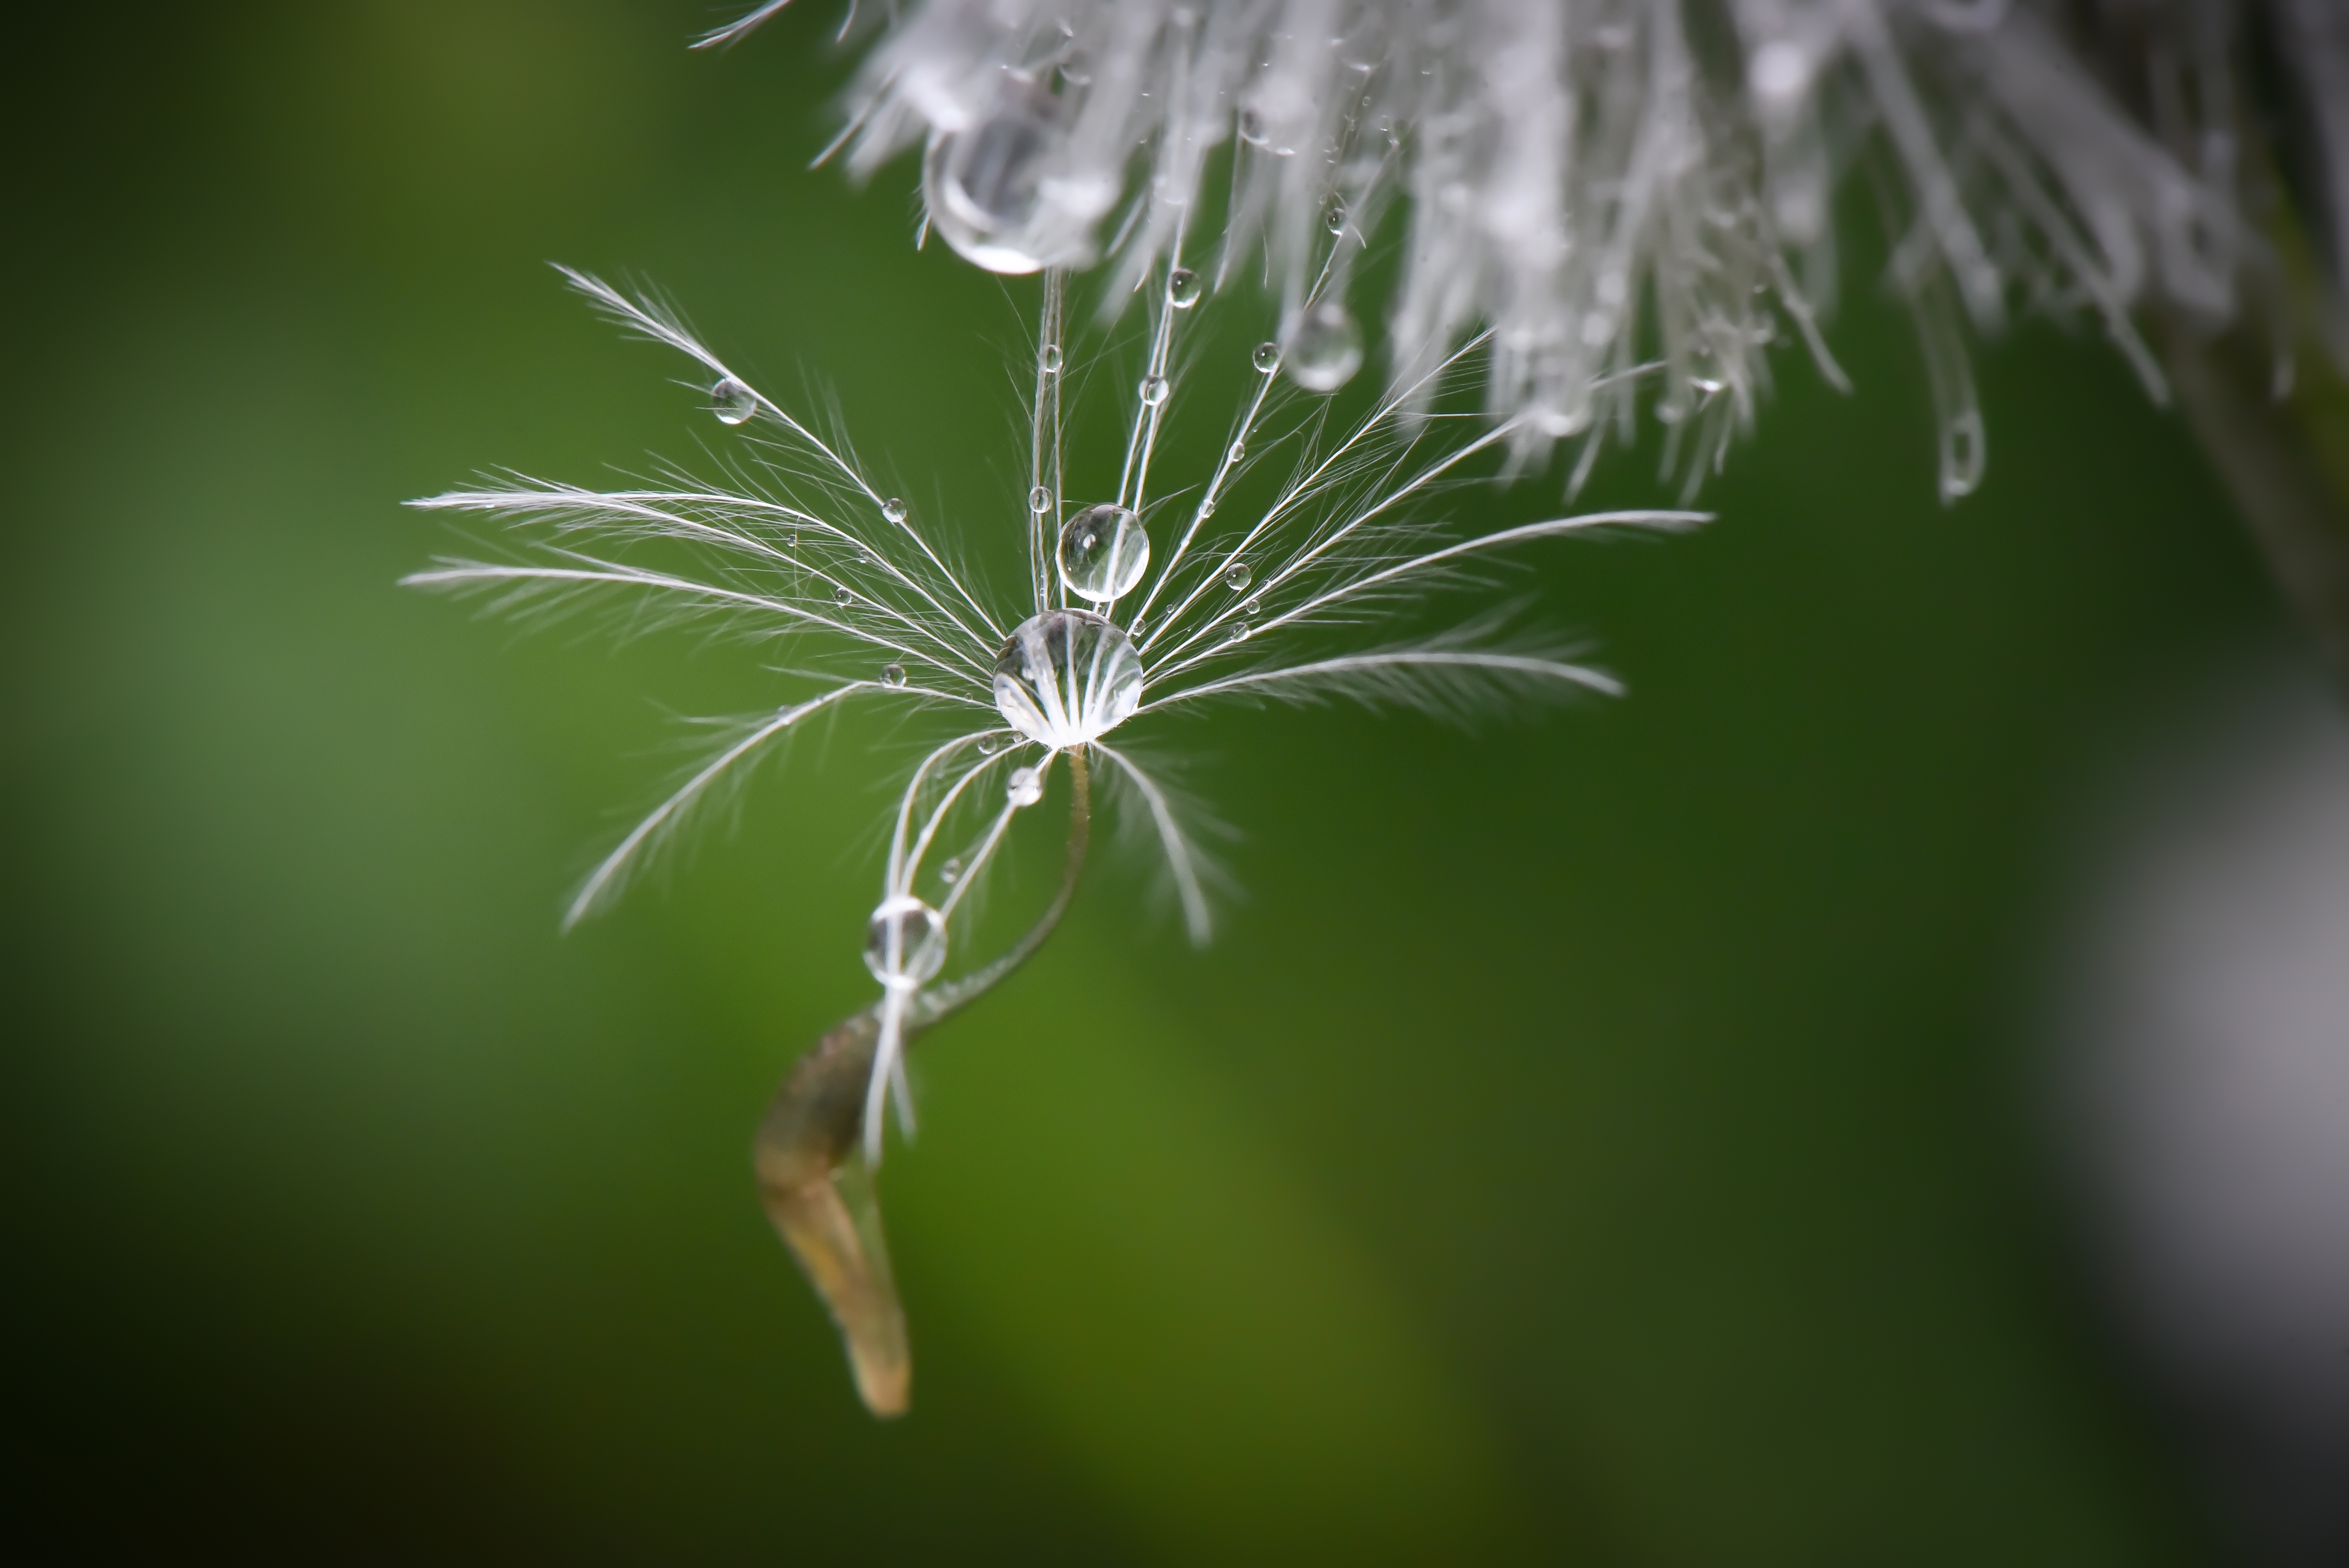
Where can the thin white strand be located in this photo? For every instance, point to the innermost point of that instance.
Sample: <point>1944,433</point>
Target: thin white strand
<point>1178,850</point>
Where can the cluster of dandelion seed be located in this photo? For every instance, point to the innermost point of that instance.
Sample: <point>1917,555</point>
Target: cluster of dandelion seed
<point>1597,185</point>
<point>1109,627</point>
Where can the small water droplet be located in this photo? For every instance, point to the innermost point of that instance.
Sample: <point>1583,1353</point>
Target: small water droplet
<point>1237,632</point>
<point>1334,216</point>
<point>1236,576</point>
<point>1183,288</point>
<point>1207,506</point>
<point>951,871</point>
<point>791,538</point>
<point>892,675</point>
<point>1134,628</point>
<point>1154,390</point>
<point>1052,359</point>
<point>840,595</point>
<point>1039,500</point>
<point>1251,127</point>
<point>1706,385</point>
<point>1104,552</point>
<point>732,402</point>
<point>1267,357</point>
<point>1325,348</point>
<point>906,943</point>
<point>894,510</point>
<point>1253,607</point>
<point>1025,788</point>
<point>1240,450</point>
<point>990,744</point>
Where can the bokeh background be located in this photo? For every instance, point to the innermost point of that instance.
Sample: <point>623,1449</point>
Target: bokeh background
<point>1619,1137</point>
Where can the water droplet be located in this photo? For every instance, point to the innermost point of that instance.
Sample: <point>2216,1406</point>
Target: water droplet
<point>1237,632</point>
<point>996,192</point>
<point>1267,357</point>
<point>892,675</point>
<point>840,595</point>
<point>1240,450</point>
<point>1207,506</point>
<point>1238,576</point>
<point>1134,628</point>
<point>1253,607</point>
<point>1052,359</point>
<point>1067,677</point>
<point>1154,390</point>
<point>951,871</point>
<point>1251,127</point>
<point>1963,454</point>
<point>1706,385</point>
<point>1039,500</point>
<point>1325,348</point>
<point>732,402</point>
<point>990,744</point>
<point>906,943</point>
<point>1334,216</point>
<point>1024,788</point>
<point>791,538</point>
<point>1183,288</point>
<point>1104,552</point>
<point>894,510</point>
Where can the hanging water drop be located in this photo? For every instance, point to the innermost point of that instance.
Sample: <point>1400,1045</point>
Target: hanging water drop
<point>894,510</point>
<point>1039,500</point>
<point>732,402</point>
<point>1267,357</point>
<point>892,675</point>
<point>1334,216</point>
<point>1325,348</point>
<point>1236,576</point>
<point>1238,450</point>
<point>999,195</point>
<point>1183,288</point>
<point>1067,677</point>
<point>1154,390</point>
<point>951,871</point>
<point>1254,607</point>
<point>1025,787</point>
<point>1237,632</point>
<point>1102,553</point>
<point>842,596</point>
<point>906,942</point>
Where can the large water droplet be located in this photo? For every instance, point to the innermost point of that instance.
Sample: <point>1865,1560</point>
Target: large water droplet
<point>732,402</point>
<point>1066,677</point>
<point>892,675</point>
<point>1267,357</point>
<point>1103,552</point>
<point>1039,500</point>
<point>1024,788</point>
<point>906,943</point>
<point>1325,348</point>
<point>1154,390</point>
<point>1238,576</point>
<point>1052,359</point>
<point>1183,288</point>
<point>1000,196</point>
<point>894,510</point>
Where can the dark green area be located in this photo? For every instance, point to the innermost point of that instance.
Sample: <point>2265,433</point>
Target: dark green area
<point>1608,1139</point>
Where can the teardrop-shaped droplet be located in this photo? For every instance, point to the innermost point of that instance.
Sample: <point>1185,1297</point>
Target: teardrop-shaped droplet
<point>894,510</point>
<point>892,675</point>
<point>904,943</point>
<point>1104,552</point>
<point>732,402</point>
<point>1334,216</point>
<point>1183,288</point>
<point>1051,359</point>
<point>1025,787</point>
<point>1236,576</point>
<point>1325,348</point>
<point>1267,357</point>
<point>1154,390</point>
<point>1039,500</point>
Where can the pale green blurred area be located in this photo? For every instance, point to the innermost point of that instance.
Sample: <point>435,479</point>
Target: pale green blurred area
<point>1609,1138</point>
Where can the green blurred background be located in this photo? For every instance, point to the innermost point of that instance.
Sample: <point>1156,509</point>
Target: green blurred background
<point>1613,1138</point>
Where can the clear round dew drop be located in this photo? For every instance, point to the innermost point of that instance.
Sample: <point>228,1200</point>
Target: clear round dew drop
<point>1253,607</point>
<point>1025,787</point>
<point>1236,576</point>
<point>1051,359</point>
<point>1183,288</point>
<point>990,744</point>
<point>1266,359</point>
<point>894,510</point>
<point>1102,553</point>
<point>1334,216</point>
<point>951,871</point>
<point>906,942</point>
<point>1065,678</point>
<point>1240,450</point>
<point>1039,500</point>
<point>1325,349</point>
<point>1237,632</point>
<point>1154,390</point>
<point>842,596</point>
<point>892,675</point>
<point>732,402</point>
